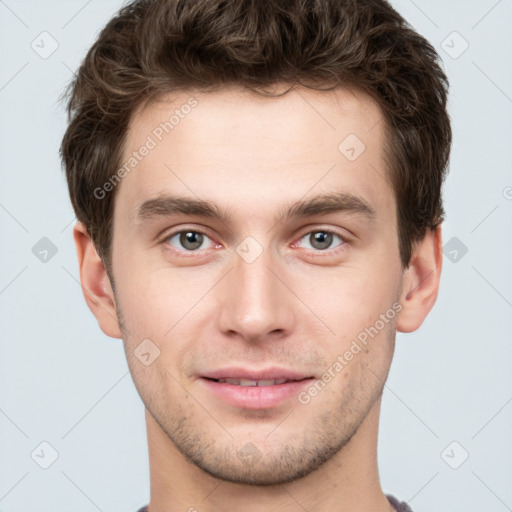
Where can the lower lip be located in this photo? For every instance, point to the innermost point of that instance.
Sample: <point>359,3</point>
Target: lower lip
<point>256,397</point>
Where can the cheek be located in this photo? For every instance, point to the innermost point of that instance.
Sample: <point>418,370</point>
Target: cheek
<point>361,361</point>
<point>351,302</point>
<point>349,298</point>
<point>151,296</point>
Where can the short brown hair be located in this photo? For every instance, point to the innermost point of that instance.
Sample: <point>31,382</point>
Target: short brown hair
<point>153,47</point>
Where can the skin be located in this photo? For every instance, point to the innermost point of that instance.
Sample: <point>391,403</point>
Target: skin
<point>298,305</point>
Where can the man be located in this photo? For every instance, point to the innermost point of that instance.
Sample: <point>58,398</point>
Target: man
<point>258,189</point>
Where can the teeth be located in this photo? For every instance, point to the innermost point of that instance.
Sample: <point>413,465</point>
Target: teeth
<point>270,382</point>
<point>247,382</point>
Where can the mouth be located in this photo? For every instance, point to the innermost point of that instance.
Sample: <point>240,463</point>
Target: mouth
<point>258,383</point>
<point>255,394</point>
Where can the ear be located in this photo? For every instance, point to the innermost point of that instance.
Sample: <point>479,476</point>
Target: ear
<point>421,281</point>
<point>96,285</point>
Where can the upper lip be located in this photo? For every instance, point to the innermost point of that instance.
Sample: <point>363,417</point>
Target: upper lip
<point>246,373</point>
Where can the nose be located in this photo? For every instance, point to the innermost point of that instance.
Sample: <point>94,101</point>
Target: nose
<point>255,304</point>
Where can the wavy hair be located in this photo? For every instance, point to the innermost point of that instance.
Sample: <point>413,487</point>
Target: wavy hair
<point>154,47</point>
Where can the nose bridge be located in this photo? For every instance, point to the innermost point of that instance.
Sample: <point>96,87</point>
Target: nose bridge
<point>254,302</point>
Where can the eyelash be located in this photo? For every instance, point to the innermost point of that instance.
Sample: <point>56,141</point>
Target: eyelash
<point>315,253</point>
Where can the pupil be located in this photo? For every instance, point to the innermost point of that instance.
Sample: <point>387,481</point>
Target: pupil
<point>321,239</point>
<point>191,240</point>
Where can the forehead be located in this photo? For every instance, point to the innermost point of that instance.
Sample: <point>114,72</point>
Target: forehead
<point>299,112</point>
<point>238,144</point>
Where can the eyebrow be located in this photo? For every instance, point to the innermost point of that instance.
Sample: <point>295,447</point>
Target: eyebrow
<point>324,204</point>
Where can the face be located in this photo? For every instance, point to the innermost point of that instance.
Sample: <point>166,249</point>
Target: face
<point>258,237</point>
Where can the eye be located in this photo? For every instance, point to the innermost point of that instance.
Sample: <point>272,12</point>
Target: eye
<point>320,240</point>
<point>189,240</point>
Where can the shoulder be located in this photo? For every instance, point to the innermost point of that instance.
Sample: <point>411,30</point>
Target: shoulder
<point>400,506</point>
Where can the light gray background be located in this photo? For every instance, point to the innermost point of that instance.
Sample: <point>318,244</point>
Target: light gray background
<point>62,381</point>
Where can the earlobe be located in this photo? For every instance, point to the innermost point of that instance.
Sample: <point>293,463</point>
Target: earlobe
<point>421,281</point>
<point>95,283</point>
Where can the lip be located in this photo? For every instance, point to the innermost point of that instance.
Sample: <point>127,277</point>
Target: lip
<point>238,372</point>
<point>255,397</point>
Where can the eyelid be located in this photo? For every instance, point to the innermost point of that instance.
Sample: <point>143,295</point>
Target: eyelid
<point>183,229</point>
<point>315,229</point>
<point>323,252</point>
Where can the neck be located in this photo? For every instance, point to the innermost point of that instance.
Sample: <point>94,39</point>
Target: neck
<point>346,482</point>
